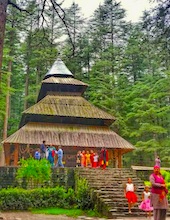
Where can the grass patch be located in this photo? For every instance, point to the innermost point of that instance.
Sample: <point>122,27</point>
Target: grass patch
<point>69,212</point>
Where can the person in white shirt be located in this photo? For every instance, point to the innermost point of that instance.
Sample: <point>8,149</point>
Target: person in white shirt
<point>129,193</point>
<point>146,203</point>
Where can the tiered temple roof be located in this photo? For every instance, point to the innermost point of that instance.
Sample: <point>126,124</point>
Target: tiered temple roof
<point>63,117</point>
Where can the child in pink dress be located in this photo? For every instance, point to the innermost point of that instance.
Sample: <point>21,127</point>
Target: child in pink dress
<point>145,204</point>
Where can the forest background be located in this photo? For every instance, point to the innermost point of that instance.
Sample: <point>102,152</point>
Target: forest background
<point>127,67</point>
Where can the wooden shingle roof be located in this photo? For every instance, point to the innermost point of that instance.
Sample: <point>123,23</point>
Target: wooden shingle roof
<point>68,106</point>
<point>69,135</point>
<point>61,86</point>
<point>61,80</point>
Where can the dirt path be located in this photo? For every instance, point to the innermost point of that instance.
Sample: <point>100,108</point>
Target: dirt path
<point>30,216</point>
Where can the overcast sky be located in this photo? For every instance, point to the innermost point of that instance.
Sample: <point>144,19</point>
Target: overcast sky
<point>134,8</point>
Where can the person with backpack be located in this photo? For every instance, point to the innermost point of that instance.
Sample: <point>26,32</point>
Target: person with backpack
<point>51,154</point>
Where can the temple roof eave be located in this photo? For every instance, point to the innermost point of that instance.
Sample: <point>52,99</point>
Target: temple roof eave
<point>69,135</point>
<point>64,81</point>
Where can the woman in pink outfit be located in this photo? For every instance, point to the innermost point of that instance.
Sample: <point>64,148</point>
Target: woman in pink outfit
<point>157,161</point>
<point>158,195</point>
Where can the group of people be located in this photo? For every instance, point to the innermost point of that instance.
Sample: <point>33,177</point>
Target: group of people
<point>92,159</point>
<point>83,158</point>
<point>50,153</point>
<point>152,200</point>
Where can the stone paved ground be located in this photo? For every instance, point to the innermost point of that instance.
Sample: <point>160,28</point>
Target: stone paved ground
<point>30,216</point>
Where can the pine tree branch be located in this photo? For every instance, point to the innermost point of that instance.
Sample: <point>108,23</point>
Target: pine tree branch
<point>17,7</point>
<point>62,17</point>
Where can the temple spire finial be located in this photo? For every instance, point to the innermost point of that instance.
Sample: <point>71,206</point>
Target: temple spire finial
<point>59,69</point>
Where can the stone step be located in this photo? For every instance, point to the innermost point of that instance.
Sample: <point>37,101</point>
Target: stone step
<point>108,187</point>
<point>123,175</point>
<point>112,195</point>
<point>112,179</point>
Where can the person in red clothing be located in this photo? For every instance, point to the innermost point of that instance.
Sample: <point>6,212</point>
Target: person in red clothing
<point>129,193</point>
<point>104,158</point>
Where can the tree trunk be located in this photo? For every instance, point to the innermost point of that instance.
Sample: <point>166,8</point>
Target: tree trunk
<point>5,128</point>
<point>7,101</point>
<point>26,87</point>
<point>29,51</point>
<point>3,8</point>
<point>7,110</point>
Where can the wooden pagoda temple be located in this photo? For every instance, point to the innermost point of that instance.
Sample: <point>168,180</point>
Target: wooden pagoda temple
<point>62,117</point>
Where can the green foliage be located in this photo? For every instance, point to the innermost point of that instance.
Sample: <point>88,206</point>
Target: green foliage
<point>70,196</point>
<point>84,201</point>
<point>20,199</point>
<point>68,212</point>
<point>59,211</point>
<point>126,66</point>
<point>34,172</point>
<point>147,183</point>
<point>166,175</point>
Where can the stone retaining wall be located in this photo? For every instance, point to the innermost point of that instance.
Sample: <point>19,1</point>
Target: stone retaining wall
<point>60,177</point>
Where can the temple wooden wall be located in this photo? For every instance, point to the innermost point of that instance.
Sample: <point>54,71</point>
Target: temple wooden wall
<point>14,152</point>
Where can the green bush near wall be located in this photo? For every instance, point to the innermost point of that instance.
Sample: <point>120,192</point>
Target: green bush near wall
<point>35,185</point>
<point>21,199</point>
<point>35,173</point>
<point>83,196</point>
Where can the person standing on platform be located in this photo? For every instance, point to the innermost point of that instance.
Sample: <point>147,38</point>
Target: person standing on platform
<point>88,161</point>
<point>83,159</point>
<point>157,161</point>
<point>43,150</point>
<point>104,158</point>
<point>51,154</point>
<point>95,160</point>
<point>78,159</point>
<point>92,158</point>
<point>37,155</point>
<point>158,194</point>
<point>60,157</point>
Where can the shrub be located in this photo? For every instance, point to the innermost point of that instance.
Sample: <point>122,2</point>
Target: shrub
<point>84,201</point>
<point>35,173</point>
<point>166,175</point>
<point>70,196</point>
<point>14,199</point>
<point>147,183</point>
<point>21,199</point>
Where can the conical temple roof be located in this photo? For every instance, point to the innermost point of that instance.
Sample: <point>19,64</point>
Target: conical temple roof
<point>59,69</point>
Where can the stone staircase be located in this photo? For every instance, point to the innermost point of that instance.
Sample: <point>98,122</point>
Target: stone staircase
<point>107,189</point>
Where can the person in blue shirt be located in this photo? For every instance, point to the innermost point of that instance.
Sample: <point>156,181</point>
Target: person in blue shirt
<point>51,154</point>
<point>37,155</point>
<point>60,157</point>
